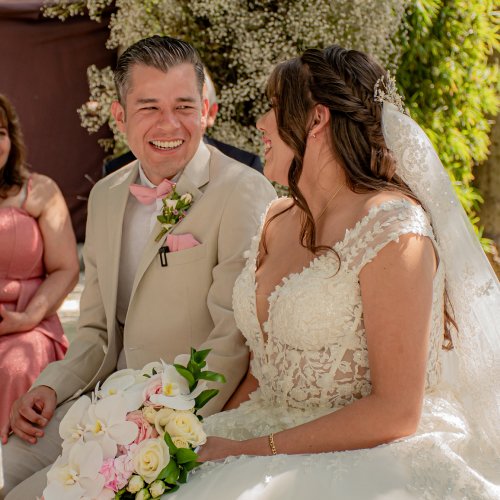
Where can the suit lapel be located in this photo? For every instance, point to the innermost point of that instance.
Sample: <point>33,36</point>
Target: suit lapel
<point>192,179</point>
<point>117,202</point>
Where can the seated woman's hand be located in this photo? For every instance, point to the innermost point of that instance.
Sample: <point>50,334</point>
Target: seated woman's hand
<point>15,322</point>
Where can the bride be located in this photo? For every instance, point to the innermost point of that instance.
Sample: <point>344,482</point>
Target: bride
<point>368,305</point>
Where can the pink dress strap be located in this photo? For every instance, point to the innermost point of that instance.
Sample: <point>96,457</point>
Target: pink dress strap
<point>26,191</point>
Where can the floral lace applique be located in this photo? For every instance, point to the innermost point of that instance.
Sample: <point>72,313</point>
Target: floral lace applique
<point>315,352</point>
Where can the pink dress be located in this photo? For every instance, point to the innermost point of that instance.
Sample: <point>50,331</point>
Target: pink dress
<point>23,355</point>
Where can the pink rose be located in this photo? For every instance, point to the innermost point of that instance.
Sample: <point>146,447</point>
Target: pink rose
<point>146,430</point>
<point>154,387</point>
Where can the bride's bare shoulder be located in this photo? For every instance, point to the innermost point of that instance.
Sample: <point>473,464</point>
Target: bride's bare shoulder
<point>279,205</point>
<point>375,199</point>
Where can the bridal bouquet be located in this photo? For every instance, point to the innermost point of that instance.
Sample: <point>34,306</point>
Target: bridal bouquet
<point>136,438</point>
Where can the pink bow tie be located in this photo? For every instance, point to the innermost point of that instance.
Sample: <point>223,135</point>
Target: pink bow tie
<point>147,195</point>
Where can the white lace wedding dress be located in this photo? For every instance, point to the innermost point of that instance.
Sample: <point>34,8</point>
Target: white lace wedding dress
<point>313,360</point>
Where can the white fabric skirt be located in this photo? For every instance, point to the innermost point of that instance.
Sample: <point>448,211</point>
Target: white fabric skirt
<point>441,461</point>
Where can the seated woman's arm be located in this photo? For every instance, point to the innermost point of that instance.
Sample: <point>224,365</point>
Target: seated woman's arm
<point>396,289</point>
<point>46,203</point>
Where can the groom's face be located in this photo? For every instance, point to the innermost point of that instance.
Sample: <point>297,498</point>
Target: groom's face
<point>163,118</point>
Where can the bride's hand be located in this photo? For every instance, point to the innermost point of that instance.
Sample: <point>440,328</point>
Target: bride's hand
<point>217,448</point>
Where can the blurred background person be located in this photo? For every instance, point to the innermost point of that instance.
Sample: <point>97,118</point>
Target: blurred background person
<point>250,159</point>
<point>38,267</point>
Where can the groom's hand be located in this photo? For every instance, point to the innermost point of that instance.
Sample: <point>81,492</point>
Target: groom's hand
<point>31,412</point>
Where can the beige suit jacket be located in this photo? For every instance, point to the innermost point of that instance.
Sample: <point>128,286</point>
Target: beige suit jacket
<point>186,304</point>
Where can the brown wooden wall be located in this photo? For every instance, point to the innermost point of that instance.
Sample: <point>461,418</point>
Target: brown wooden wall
<point>43,65</point>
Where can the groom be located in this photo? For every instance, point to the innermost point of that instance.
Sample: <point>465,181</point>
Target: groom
<point>137,305</point>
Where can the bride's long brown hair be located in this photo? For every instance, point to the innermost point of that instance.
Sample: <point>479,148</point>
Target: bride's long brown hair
<point>343,81</point>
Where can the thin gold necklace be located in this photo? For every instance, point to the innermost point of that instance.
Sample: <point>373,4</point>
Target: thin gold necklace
<point>329,201</point>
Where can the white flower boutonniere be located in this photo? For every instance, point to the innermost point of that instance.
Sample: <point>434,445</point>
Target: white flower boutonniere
<point>174,210</point>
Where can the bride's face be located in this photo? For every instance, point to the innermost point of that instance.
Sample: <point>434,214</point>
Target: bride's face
<point>277,154</point>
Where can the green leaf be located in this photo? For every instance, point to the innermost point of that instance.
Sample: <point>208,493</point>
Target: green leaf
<point>170,473</point>
<point>186,374</point>
<point>171,490</point>
<point>200,356</point>
<point>171,446</point>
<point>191,465</point>
<point>185,455</point>
<point>183,476</point>
<point>212,376</point>
<point>205,397</point>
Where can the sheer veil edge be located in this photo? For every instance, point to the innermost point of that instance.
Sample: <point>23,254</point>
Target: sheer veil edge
<point>471,370</point>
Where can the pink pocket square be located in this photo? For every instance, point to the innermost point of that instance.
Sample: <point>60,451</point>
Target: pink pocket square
<point>178,242</point>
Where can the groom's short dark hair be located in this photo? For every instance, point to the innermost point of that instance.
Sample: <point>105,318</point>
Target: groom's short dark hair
<point>160,52</point>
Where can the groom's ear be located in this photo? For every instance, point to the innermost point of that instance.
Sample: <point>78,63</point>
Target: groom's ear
<point>118,112</point>
<point>320,119</point>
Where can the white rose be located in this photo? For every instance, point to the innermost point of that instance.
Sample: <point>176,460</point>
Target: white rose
<point>135,484</point>
<point>185,425</point>
<point>187,198</point>
<point>156,488</point>
<point>149,414</point>
<point>161,419</point>
<point>180,442</point>
<point>150,457</point>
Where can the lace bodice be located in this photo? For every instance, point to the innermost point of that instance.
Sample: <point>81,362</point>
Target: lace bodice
<point>314,350</point>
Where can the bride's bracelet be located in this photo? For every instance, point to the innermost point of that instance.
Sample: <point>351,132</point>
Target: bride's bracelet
<point>271,444</point>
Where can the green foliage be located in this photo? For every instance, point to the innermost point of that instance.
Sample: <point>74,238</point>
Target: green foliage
<point>194,372</point>
<point>450,88</point>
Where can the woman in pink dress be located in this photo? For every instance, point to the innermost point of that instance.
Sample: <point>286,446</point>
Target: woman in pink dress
<point>38,267</point>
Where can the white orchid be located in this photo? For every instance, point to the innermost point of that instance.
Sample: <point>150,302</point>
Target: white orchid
<point>72,426</point>
<point>175,391</point>
<point>117,382</point>
<point>128,383</point>
<point>78,476</point>
<point>107,425</point>
<point>149,370</point>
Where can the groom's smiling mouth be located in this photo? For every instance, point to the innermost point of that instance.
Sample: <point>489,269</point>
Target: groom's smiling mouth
<point>167,145</point>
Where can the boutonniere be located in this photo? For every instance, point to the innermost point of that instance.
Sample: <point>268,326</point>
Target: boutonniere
<point>173,211</point>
